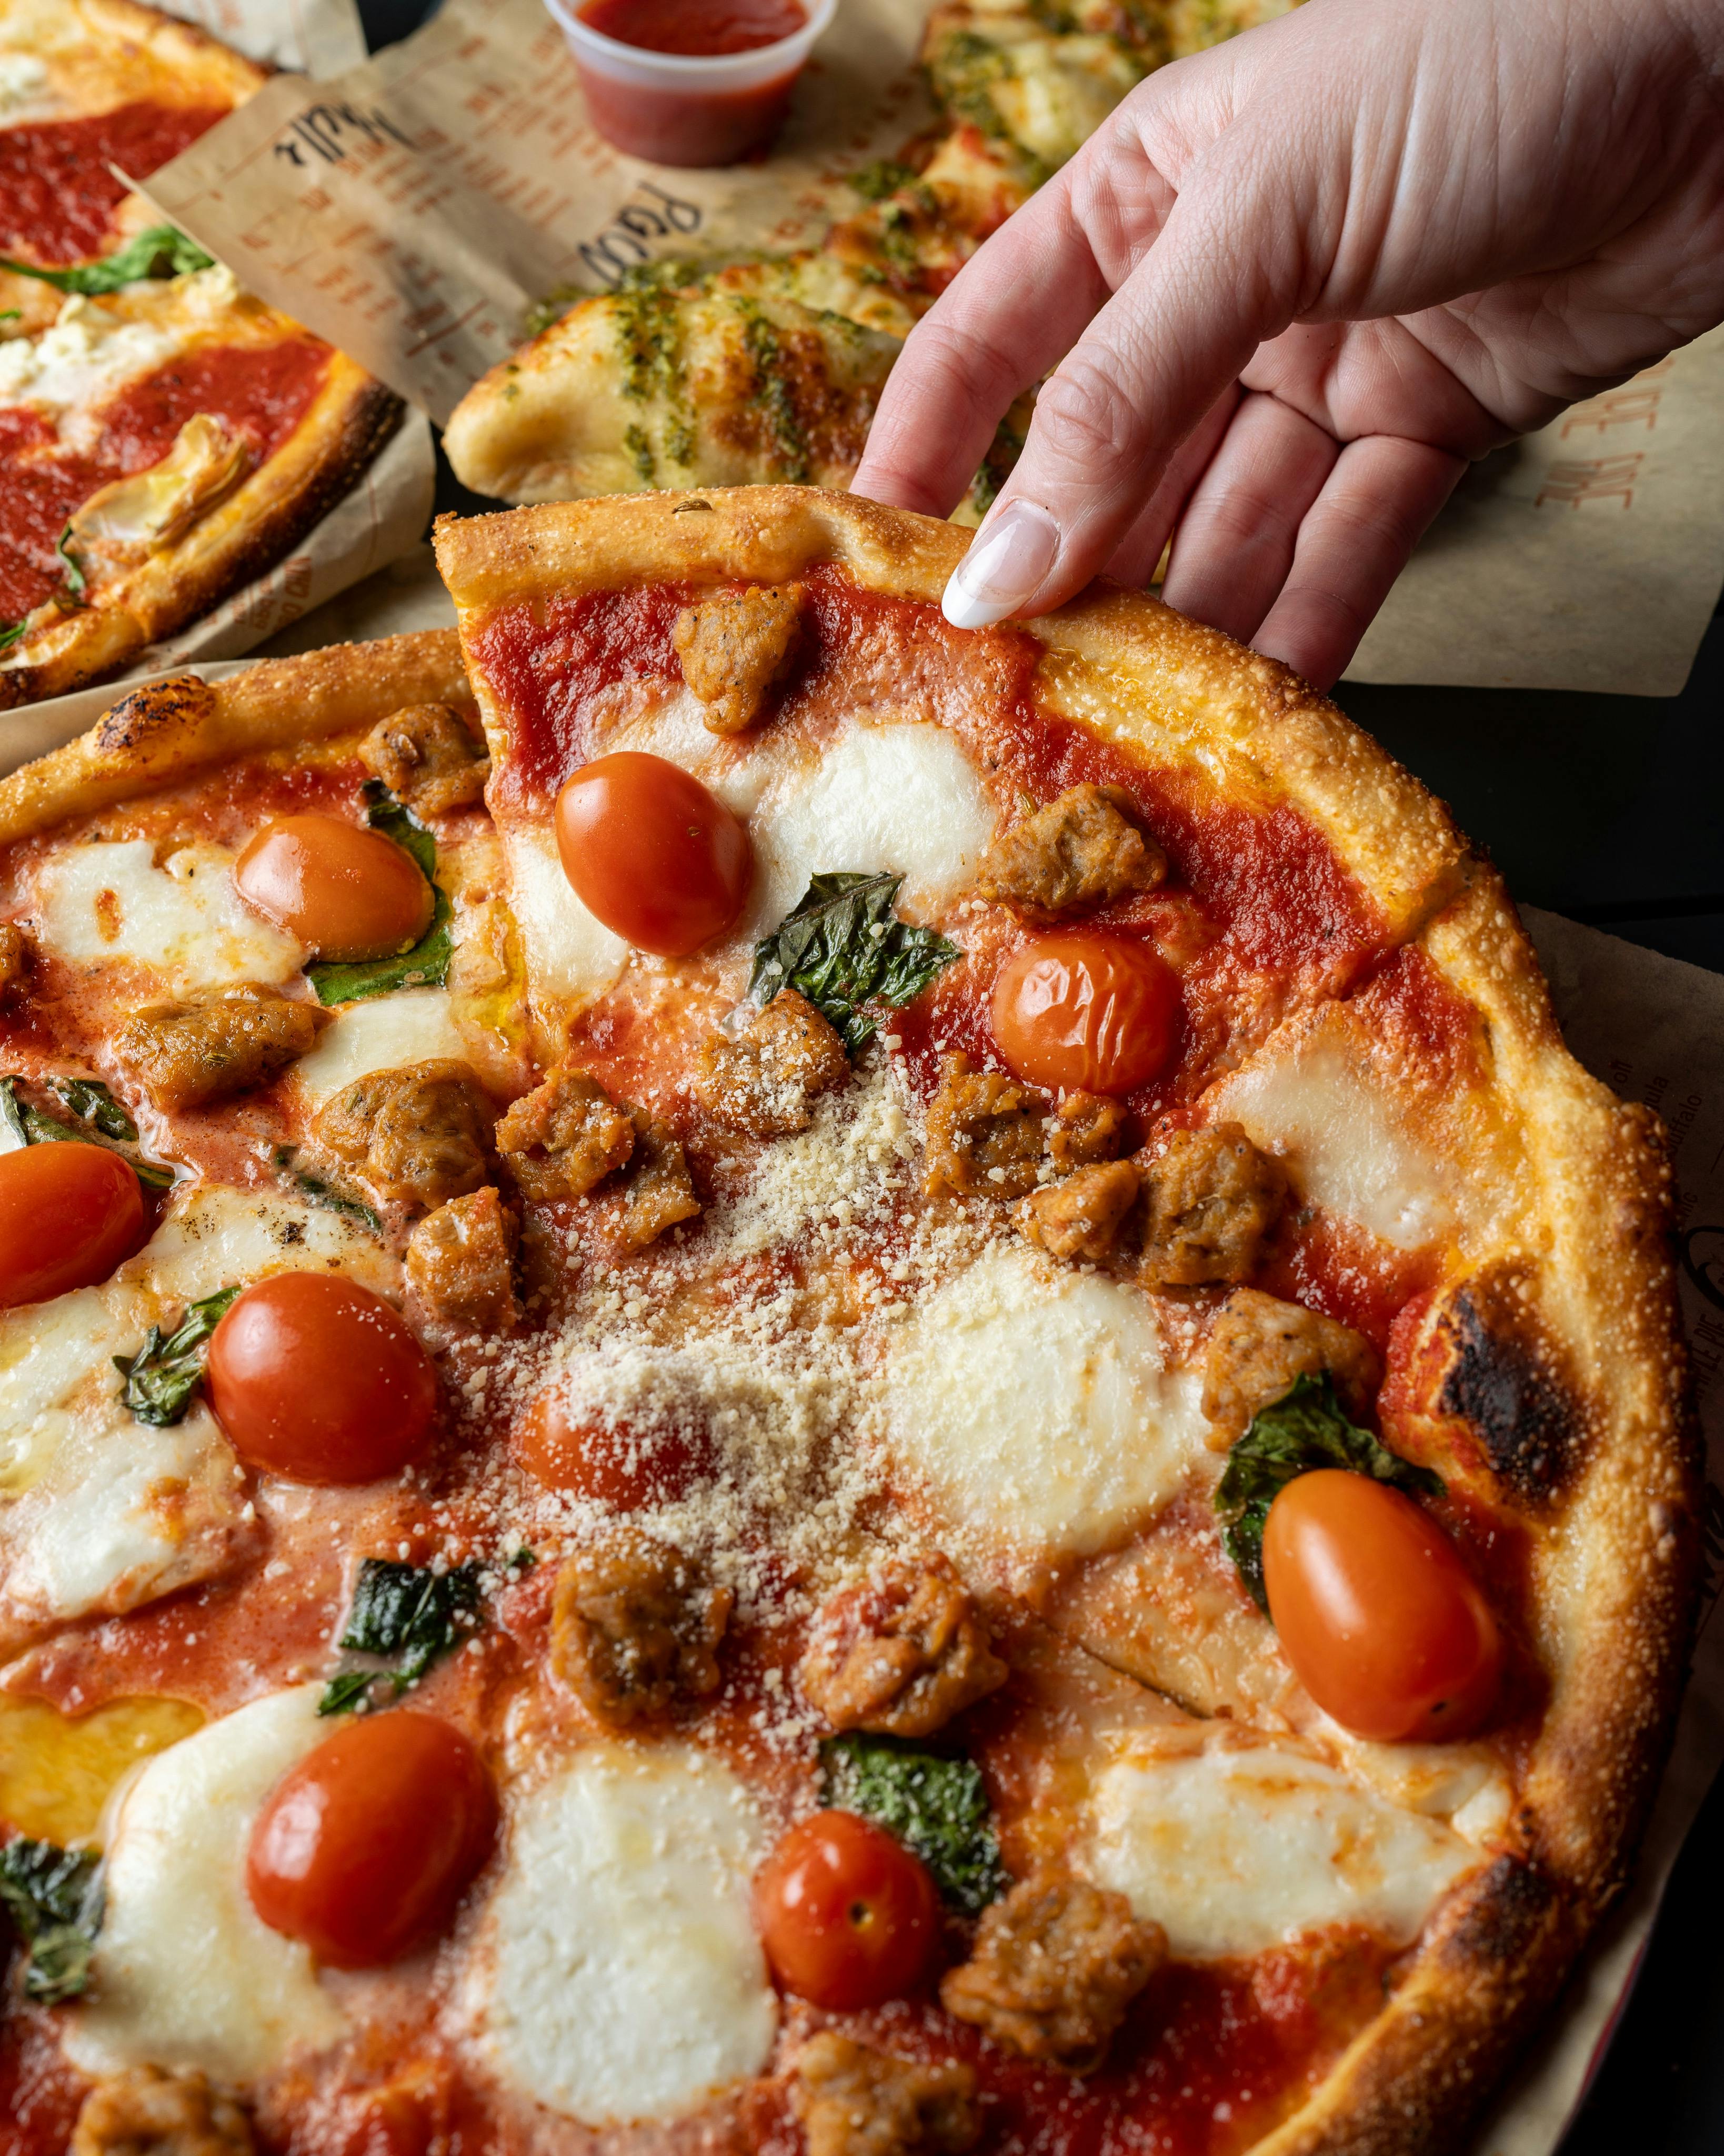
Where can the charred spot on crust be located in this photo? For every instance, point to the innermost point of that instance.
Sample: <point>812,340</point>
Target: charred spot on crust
<point>1513,1903</point>
<point>1502,1381</point>
<point>153,710</point>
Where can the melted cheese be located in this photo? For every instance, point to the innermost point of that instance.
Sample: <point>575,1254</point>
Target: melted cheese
<point>184,921</point>
<point>571,955</point>
<point>621,1977</point>
<point>1036,1402</point>
<point>387,1033</point>
<point>1346,1148</point>
<point>57,1771</point>
<point>1232,1852</point>
<point>186,1974</point>
<point>211,1235</point>
<point>900,796</point>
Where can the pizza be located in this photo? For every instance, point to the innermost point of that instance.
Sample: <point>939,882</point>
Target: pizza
<point>778,1378</point>
<point>721,370</point>
<point>164,437</point>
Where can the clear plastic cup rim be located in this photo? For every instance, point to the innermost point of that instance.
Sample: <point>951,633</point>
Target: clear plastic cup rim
<point>638,66</point>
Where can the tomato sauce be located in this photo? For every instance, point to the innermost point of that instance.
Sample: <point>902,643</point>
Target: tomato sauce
<point>706,28</point>
<point>57,195</point>
<point>262,391</point>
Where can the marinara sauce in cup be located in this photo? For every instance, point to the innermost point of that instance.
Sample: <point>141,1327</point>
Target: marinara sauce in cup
<point>690,82</point>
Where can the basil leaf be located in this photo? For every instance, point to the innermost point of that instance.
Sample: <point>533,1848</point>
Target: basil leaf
<point>315,1192</point>
<point>91,1103</point>
<point>1305,1429</point>
<point>161,251</point>
<point>162,1376</point>
<point>30,1126</point>
<point>426,966</point>
<point>843,946</point>
<point>54,1898</point>
<point>935,1806</point>
<point>10,631</point>
<point>404,1611</point>
<point>76,581</point>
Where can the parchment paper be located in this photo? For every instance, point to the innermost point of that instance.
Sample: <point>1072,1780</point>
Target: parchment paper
<point>315,37</point>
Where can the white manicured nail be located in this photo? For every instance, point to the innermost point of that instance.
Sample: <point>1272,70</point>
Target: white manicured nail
<point>1007,562</point>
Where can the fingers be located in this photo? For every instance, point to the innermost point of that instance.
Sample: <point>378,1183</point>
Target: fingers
<point>1353,543</point>
<point>1135,556</point>
<point>1237,538</point>
<point>1014,308</point>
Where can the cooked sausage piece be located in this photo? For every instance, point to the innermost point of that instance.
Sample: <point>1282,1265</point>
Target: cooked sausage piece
<point>1084,848</point>
<point>1081,1216</point>
<point>734,646</point>
<point>902,1653</point>
<point>661,1191</point>
<point>146,2112</point>
<point>1054,1966</point>
<point>1260,1345</point>
<point>427,757</point>
<point>416,1136</point>
<point>1087,1128</point>
<point>459,1263</point>
<point>1209,1198</point>
<point>634,1626</point>
<point>16,959</point>
<point>984,1133</point>
<point>565,1136</point>
<point>853,2101</point>
<point>764,1081</point>
<point>218,1042</point>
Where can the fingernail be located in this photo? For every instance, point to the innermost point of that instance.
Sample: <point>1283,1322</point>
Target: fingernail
<point>1004,565</point>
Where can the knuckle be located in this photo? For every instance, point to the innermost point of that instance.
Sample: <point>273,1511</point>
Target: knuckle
<point>1086,417</point>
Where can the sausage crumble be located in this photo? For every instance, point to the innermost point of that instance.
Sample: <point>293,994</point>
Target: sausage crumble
<point>734,646</point>
<point>1209,1200</point>
<point>854,2101</point>
<point>985,1133</point>
<point>902,1653</point>
<point>1260,1345</point>
<point>764,1081</point>
<point>427,757</point>
<point>1084,848</point>
<point>221,1041</point>
<point>459,1263</point>
<point>634,1626</point>
<point>148,2112</point>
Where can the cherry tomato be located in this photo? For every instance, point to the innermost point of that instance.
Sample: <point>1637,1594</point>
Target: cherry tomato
<point>622,1467</point>
<point>364,1848</point>
<point>346,892</point>
<point>1083,1010</point>
<point>316,1378</point>
<point>1384,1626</point>
<point>68,1213</point>
<point>848,1917</point>
<point>652,853</point>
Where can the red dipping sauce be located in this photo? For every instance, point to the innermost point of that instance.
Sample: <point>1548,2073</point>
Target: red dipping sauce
<point>690,82</point>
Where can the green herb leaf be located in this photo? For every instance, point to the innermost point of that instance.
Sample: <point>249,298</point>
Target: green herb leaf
<point>883,177</point>
<point>1304,1430</point>
<point>843,948</point>
<point>935,1806</point>
<point>76,581</point>
<point>406,1612</point>
<point>426,966</point>
<point>30,1126</point>
<point>162,251</point>
<point>10,631</point>
<point>54,1898</point>
<point>162,1376</point>
<point>315,1192</point>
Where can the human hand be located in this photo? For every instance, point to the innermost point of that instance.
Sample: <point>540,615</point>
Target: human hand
<point>1293,284</point>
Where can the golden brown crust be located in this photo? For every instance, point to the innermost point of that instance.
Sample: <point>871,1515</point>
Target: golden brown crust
<point>1615,1553</point>
<point>352,417</point>
<point>159,735</point>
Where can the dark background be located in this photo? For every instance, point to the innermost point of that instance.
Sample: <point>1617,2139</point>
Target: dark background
<point>1609,809</point>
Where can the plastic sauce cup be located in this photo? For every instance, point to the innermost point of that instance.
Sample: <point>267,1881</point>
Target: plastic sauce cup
<point>684,109</point>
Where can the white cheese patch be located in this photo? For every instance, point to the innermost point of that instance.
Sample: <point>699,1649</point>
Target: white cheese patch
<point>83,361</point>
<point>900,796</point>
<point>387,1033</point>
<point>620,1977</point>
<point>186,1974</point>
<point>99,1511</point>
<point>1234,1851</point>
<point>571,955</point>
<point>1036,1402</point>
<point>184,921</point>
<point>24,82</point>
<point>1346,1148</point>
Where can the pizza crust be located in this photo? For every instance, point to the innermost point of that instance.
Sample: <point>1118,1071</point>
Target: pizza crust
<point>1616,1558</point>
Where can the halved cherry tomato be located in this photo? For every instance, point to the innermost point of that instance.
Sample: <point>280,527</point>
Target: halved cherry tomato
<point>364,1848</point>
<point>346,893</point>
<point>848,1917</point>
<point>1384,1626</point>
<point>623,1467</point>
<point>652,853</point>
<point>68,1213</point>
<point>317,1378</point>
<point>1083,1010</point>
